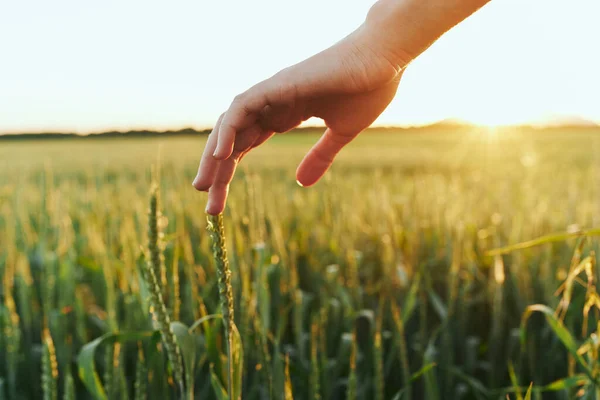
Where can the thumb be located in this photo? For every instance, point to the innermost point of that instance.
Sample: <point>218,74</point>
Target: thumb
<point>318,160</point>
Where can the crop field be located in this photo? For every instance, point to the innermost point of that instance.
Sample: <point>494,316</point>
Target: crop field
<point>383,281</point>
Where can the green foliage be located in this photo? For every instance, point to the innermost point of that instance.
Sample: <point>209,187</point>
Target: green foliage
<point>69,388</point>
<point>86,359</point>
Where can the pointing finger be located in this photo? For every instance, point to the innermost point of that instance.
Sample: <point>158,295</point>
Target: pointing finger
<point>208,164</point>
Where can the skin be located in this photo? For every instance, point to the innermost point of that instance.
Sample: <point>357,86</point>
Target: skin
<point>347,85</point>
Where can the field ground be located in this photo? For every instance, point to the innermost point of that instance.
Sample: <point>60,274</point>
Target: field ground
<point>372,284</point>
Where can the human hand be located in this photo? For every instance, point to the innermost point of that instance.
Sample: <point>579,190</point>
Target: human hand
<point>348,86</point>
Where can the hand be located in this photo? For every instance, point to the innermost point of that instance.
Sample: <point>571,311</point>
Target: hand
<point>348,86</point>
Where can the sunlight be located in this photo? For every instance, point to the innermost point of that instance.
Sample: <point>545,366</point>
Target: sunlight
<point>490,131</point>
<point>493,120</point>
<point>491,76</point>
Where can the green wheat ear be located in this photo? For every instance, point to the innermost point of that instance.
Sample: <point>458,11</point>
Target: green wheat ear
<point>217,233</point>
<point>156,299</point>
<point>49,367</point>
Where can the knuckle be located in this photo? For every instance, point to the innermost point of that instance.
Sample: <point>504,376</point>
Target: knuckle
<point>283,74</point>
<point>240,105</point>
<point>239,99</point>
<point>340,140</point>
<point>284,88</point>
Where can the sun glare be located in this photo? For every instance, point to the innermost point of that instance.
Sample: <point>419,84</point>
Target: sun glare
<point>492,121</point>
<point>490,131</point>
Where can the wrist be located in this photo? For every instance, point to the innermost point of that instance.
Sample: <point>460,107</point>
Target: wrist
<point>403,29</point>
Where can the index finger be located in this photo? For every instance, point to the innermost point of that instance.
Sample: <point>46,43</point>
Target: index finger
<point>208,165</point>
<point>245,109</point>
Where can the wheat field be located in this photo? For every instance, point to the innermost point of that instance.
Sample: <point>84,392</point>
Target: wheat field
<point>380,282</point>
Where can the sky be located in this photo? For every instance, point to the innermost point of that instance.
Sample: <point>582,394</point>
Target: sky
<point>82,66</point>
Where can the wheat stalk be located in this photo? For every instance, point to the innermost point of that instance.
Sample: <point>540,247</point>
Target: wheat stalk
<point>156,299</point>
<point>217,233</point>
<point>49,367</point>
<point>403,349</point>
<point>157,260</point>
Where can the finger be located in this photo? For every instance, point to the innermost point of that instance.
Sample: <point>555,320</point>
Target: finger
<point>263,138</point>
<point>246,140</point>
<point>208,164</point>
<point>318,160</point>
<point>245,109</point>
<point>282,118</point>
<point>217,194</point>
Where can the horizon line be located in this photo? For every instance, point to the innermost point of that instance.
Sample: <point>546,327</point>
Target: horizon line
<point>552,121</point>
<point>458,123</point>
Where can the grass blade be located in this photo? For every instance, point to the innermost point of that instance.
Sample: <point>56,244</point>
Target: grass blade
<point>559,330</point>
<point>187,344</point>
<point>87,366</point>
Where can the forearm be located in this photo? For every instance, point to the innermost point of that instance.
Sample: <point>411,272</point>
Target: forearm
<point>406,28</point>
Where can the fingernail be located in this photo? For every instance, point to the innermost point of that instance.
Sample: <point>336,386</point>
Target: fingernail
<point>299,183</point>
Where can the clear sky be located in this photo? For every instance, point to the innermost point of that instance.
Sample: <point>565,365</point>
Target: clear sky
<point>86,66</point>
